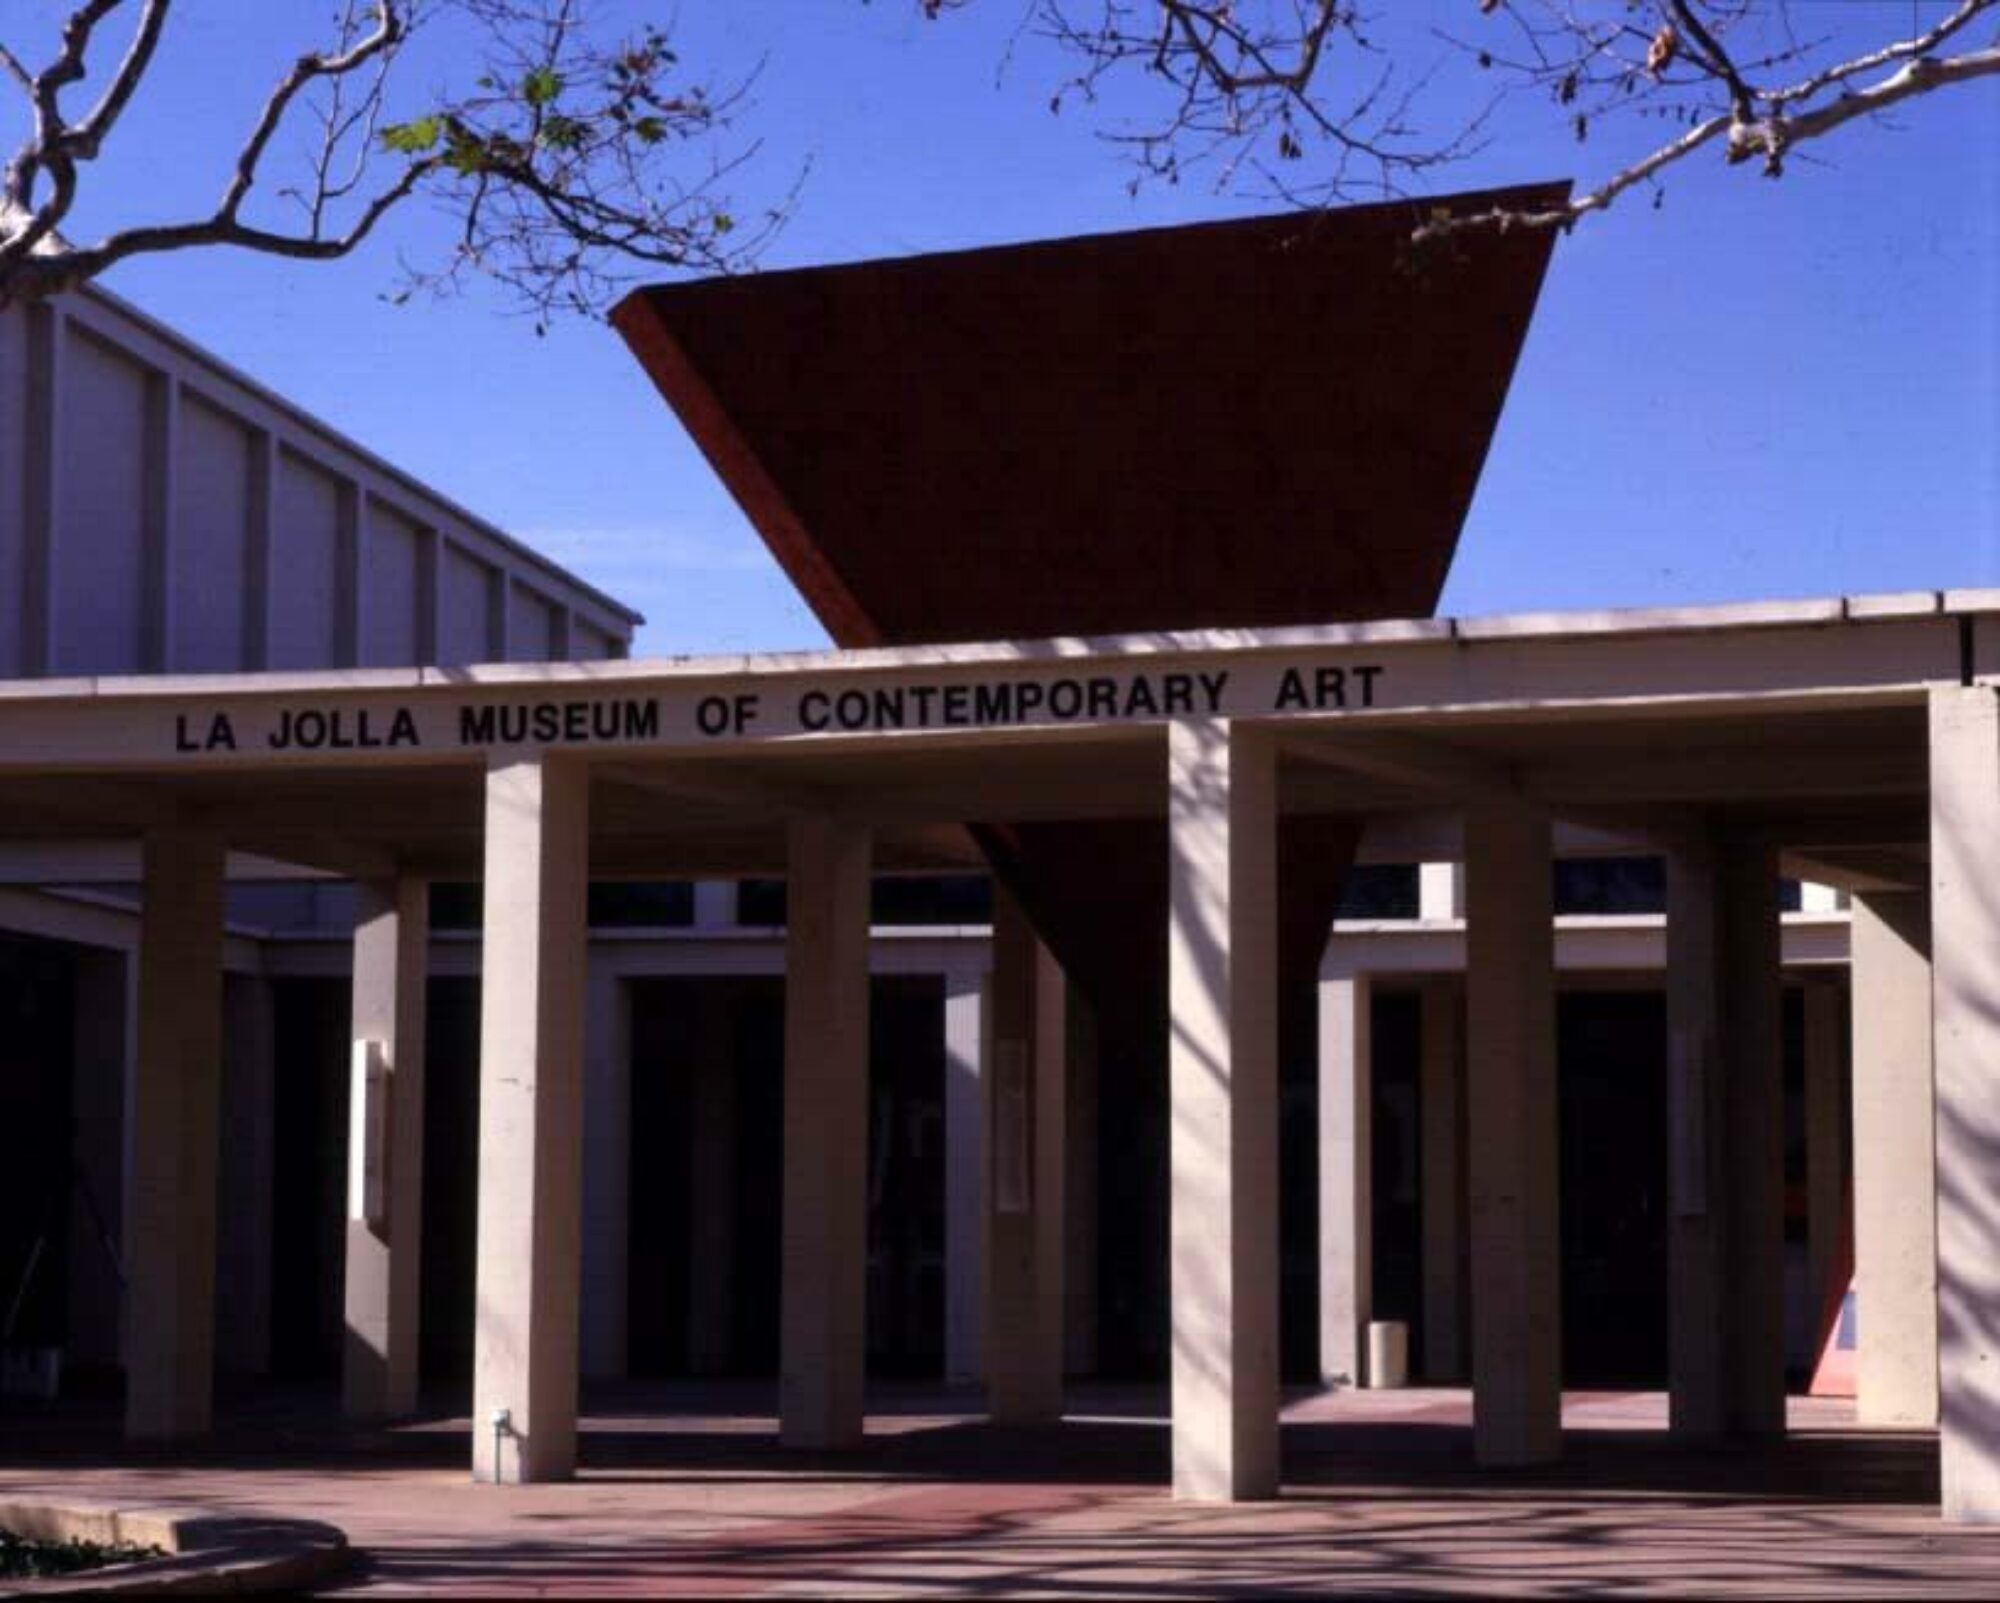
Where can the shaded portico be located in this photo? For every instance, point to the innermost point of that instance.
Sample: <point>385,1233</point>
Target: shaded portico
<point>1845,732</point>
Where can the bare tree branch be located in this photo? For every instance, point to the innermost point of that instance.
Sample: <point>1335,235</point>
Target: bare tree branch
<point>561,153</point>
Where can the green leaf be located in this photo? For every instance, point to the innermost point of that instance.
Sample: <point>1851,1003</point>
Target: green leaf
<point>541,86</point>
<point>413,138</point>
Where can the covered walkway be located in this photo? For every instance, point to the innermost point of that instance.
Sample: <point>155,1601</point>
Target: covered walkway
<point>1859,735</point>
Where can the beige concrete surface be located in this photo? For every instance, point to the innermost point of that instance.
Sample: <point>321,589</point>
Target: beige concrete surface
<point>824,1283</point>
<point>384,1254</point>
<point>1895,1161</point>
<point>1511,1102</point>
<point>525,1344</point>
<point>686,1492</point>
<point>1222,1090</point>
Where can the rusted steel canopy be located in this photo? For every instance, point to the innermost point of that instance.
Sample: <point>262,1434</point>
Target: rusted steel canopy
<point>1261,422</point>
<point>1273,421</point>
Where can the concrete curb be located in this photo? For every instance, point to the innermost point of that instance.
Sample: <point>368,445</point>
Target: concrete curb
<point>206,1553</point>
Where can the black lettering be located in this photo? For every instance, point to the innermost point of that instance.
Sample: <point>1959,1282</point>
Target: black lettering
<point>993,704</point>
<point>1104,698</point>
<point>181,741</point>
<point>514,724</point>
<point>1291,692</point>
<point>850,710</point>
<point>1028,699</point>
<point>1065,699</point>
<point>642,719</point>
<point>1367,675</point>
<point>813,710</point>
<point>546,718</point>
<point>1140,700</point>
<point>476,726</point>
<point>1330,687</point>
<point>888,709</point>
<point>711,714</point>
<point>1213,684</point>
<point>403,729</point>
<point>958,705</point>
<point>1179,693</point>
<point>309,729</point>
<point>576,720</point>
<point>221,733</point>
<point>924,696</point>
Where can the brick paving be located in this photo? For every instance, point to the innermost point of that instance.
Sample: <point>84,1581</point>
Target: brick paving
<point>1380,1496</point>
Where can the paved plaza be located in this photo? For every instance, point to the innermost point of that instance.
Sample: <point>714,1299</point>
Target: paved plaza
<point>1380,1496</point>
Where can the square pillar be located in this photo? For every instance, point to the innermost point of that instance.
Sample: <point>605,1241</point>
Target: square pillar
<point>524,1384</point>
<point>1223,1108</point>
<point>1441,1111</point>
<point>1025,1110</point>
<point>175,1107</point>
<point>823,1329</point>
<point>607,1170</point>
<point>385,1148</point>
<point>1511,1098</point>
<point>1346,1183</point>
<point>964,1176</point>
<point>1965,999</point>
<point>712,1184</point>
<point>1725,1161</point>
<point>1895,1161</point>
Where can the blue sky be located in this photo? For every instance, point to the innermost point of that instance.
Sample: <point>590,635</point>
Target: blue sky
<point>1762,389</point>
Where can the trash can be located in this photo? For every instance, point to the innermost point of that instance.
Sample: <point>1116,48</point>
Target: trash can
<point>1388,1354</point>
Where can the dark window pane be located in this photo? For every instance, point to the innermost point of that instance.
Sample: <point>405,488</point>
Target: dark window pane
<point>1379,890</point>
<point>931,899</point>
<point>760,901</point>
<point>455,907</point>
<point>1611,885</point>
<point>619,904</point>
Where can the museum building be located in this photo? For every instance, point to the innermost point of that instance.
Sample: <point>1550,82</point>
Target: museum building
<point>1152,946</point>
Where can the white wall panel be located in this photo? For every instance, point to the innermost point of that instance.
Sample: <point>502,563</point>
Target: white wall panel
<point>13,469</point>
<point>465,627</point>
<point>208,562</point>
<point>530,629</point>
<point>392,588</point>
<point>99,552</point>
<point>305,568</point>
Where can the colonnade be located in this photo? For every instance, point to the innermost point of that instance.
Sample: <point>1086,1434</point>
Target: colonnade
<point>1930,1340</point>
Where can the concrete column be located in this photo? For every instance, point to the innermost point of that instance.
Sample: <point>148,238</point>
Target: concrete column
<point>1440,892</point>
<point>385,1148</point>
<point>1442,1112</point>
<point>1223,1108</point>
<point>524,1383</point>
<point>1346,1183</point>
<point>176,1095</point>
<point>714,903</point>
<point>1079,1286</point>
<point>1025,1109</point>
<point>823,1334</point>
<point>964,1176</point>
<point>1895,1161</point>
<point>249,1087</point>
<point>712,1247</point>
<point>1511,1098</point>
<point>607,1170</point>
<point>1826,1190</point>
<point>1725,1102</point>
<point>1965,999</point>
<point>104,1036</point>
